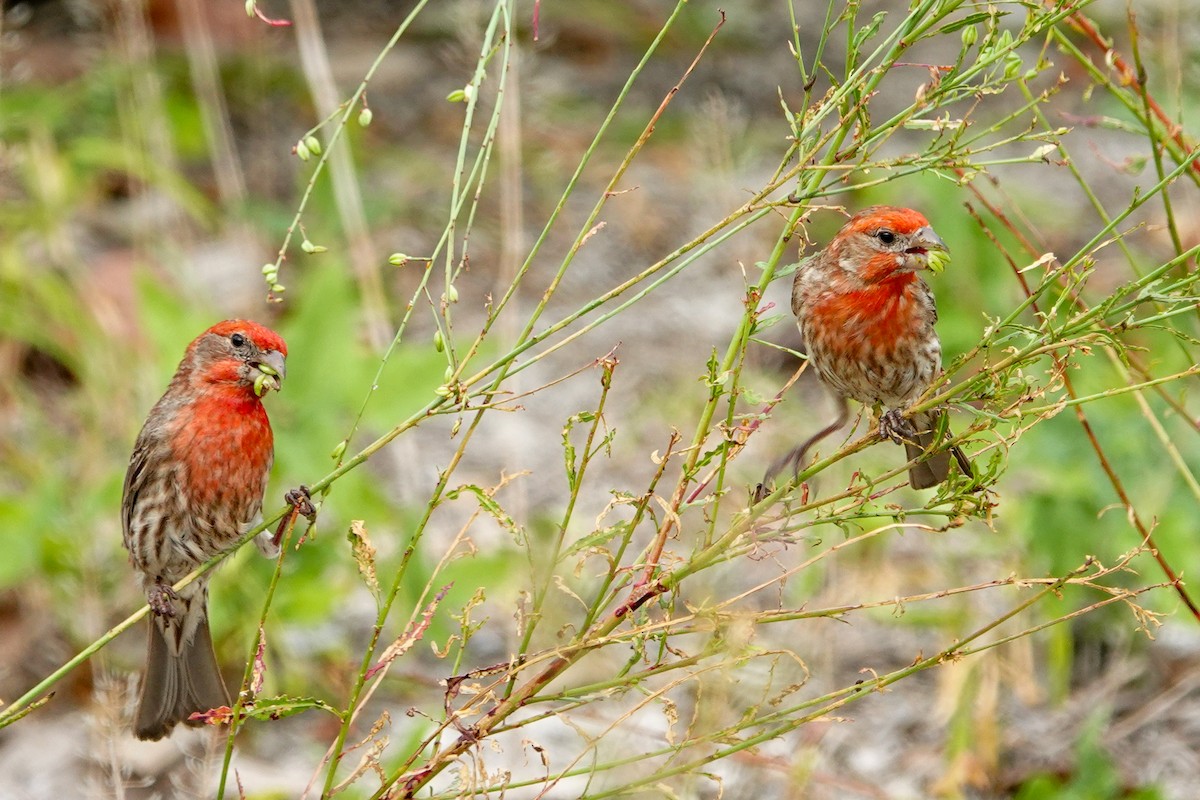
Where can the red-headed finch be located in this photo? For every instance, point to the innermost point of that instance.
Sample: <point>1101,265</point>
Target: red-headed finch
<point>868,324</point>
<point>194,486</point>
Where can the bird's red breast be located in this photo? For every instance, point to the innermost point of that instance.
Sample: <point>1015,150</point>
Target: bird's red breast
<point>878,313</point>
<point>221,435</point>
<point>225,444</point>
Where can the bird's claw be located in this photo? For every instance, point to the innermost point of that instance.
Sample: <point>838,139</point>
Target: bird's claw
<point>161,599</point>
<point>301,500</point>
<point>895,426</point>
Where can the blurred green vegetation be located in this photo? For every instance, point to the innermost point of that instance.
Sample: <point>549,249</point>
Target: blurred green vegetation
<point>1094,776</point>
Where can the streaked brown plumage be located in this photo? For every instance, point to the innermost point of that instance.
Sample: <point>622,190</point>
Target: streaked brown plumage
<point>194,486</point>
<point>868,324</point>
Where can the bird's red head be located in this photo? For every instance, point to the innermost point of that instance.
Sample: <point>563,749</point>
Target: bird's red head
<point>238,353</point>
<point>883,242</point>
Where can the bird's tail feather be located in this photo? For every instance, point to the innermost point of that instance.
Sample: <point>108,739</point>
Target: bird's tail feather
<point>181,677</point>
<point>936,467</point>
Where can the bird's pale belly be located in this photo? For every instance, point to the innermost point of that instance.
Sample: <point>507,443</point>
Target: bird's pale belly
<point>891,376</point>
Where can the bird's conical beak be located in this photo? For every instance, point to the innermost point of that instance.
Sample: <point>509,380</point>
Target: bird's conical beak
<point>271,371</point>
<point>925,237</point>
<point>936,253</point>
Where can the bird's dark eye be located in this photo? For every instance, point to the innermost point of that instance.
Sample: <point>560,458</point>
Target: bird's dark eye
<point>237,340</point>
<point>885,236</point>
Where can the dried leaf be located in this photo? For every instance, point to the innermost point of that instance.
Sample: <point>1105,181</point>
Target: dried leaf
<point>364,554</point>
<point>220,715</point>
<point>368,761</point>
<point>562,587</point>
<point>259,672</point>
<point>412,634</point>
<point>671,712</point>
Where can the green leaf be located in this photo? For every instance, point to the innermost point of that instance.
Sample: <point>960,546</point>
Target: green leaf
<point>489,504</point>
<point>596,539</point>
<point>272,708</point>
<point>970,19</point>
<point>868,31</point>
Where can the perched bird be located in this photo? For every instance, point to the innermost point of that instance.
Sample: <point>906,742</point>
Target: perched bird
<point>194,486</point>
<point>868,325</point>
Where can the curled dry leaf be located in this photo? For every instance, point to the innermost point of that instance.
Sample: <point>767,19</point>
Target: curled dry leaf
<point>364,554</point>
<point>412,634</point>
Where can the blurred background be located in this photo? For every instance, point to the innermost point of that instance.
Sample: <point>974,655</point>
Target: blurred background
<point>147,174</point>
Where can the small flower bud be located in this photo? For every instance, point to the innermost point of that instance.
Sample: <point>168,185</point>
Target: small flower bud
<point>439,343</point>
<point>278,288</point>
<point>269,268</point>
<point>1012,66</point>
<point>339,451</point>
<point>364,117</point>
<point>457,96</point>
<point>397,259</point>
<point>301,151</point>
<point>250,4</point>
<point>970,35</point>
<point>313,144</point>
<point>451,295</point>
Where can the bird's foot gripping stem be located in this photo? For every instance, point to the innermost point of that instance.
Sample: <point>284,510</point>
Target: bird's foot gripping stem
<point>161,598</point>
<point>895,426</point>
<point>301,502</point>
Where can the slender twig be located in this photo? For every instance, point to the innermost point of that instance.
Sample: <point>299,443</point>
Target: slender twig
<point>1130,77</point>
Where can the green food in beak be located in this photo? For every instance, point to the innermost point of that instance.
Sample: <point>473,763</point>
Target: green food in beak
<point>937,254</point>
<point>270,372</point>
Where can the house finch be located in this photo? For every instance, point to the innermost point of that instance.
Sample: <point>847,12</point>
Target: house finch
<point>867,321</point>
<point>194,487</point>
